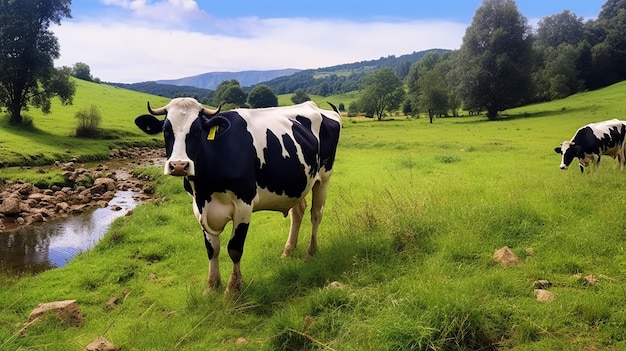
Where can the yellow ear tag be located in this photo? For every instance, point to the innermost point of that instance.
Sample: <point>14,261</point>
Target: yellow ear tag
<point>212,132</point>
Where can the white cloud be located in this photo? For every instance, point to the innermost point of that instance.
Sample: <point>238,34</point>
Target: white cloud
<point>133,51</point>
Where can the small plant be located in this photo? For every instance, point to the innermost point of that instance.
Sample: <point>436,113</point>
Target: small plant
<point>88,122</point>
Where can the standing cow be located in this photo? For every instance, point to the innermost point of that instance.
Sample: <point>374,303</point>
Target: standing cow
<point>245,160</point>
<point>593,140</point>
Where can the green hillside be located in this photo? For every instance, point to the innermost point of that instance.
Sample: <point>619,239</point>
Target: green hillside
<point>414,214</point>
<point>51,137</point>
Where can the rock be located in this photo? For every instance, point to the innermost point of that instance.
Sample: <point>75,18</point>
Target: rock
<point>112,302</point>
<point>102,185</point>
<point>11,205</point>
<point>544,295</point>
<point>101,344</point>
<point>25,189</point>
<point>590,279</point>
<point>336,284</point>
<point>62,207</point>
<point>69,166</point>
<point>542,284</point>
<point>241,342</point>
<point>66,312</point>
<point>36,218</point>
<point>505,256</point>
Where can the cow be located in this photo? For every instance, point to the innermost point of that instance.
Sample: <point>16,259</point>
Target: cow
<point>592,141</point>
<point>236,162</point>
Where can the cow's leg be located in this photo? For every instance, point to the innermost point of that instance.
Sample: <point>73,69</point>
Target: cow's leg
<point>212,243</point>
<point>295,214</point>
<point>235,251</point>
<point>317,208</point>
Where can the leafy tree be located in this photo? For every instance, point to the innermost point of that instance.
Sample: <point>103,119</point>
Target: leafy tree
<point>82,71</point>
<point>609,54</point>
<point>495,58</point>
<point>383,91</point>
<point>559,76</point>
<point>300,96</point>
<point>262,96</point>
<point>353,109</point>
<point>230,92</point>
<point>27,52</point>
<point>563,28</point>
<point>428,89</point>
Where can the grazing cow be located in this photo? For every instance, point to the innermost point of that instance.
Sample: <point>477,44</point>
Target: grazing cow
<point>245,160</point>
<point>593,140</point>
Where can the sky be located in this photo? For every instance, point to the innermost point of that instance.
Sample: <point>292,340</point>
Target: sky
<point>129,41</point>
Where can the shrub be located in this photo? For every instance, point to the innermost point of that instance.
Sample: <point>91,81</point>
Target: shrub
<point>88,122</point>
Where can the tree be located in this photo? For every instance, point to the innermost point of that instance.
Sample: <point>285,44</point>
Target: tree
<point>610,52</point>
<point>427,83</point>
<point>300,96</point>
<point>563,28</point>
<point>82,71</point>
<point>262,96</point>
<point>383,91</point>
<point>27,52</point>
<point>229,92</point>
<point>496,58</point>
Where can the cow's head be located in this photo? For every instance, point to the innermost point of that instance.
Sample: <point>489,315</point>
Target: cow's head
<point>185,118</point>
<point>569,150</point>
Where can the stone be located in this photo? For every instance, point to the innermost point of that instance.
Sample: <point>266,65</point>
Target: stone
<point>101,344</point>
<point>11,206</point>
<point>505,256</point>
<point>590,279</point>
<point>544,295</point>
<point>66,312</point>
<point>542,284</point>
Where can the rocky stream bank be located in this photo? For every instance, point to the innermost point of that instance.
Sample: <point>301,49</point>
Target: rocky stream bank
<point>24,204</point>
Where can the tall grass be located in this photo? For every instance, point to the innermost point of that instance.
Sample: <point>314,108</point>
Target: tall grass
<point>414,214</point>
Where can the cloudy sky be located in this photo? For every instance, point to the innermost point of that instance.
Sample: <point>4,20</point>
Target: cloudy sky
<point>130,41</point>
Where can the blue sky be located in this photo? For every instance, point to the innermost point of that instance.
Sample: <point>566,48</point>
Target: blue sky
<point>138,40</point>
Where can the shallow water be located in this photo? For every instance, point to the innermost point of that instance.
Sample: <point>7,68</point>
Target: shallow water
<point>53,244</point>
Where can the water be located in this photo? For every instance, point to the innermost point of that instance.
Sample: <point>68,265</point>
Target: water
<point>53,244</point>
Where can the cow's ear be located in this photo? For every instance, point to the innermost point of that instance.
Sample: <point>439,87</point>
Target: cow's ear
<point>557,150</point>
<point>149,124</point>
<point>215,126</point>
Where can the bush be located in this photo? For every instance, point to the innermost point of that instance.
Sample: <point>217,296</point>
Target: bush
<point>88,122</point>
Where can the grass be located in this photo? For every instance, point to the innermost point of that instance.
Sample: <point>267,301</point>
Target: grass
<point>414,214</point>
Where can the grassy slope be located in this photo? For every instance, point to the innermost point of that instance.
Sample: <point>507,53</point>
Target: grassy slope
<point>414,214</point>
<point>49,138</point>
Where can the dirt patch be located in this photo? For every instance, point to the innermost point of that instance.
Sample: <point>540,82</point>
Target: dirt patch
<point>25,204</point>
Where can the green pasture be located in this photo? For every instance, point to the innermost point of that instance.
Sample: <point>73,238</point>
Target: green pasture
<point>414,214</point>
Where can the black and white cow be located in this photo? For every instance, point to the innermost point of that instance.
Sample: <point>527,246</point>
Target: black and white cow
<point>245,160</point>
<point>593,140</point>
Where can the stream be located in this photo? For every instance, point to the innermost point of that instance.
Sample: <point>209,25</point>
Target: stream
<point>53,244</point>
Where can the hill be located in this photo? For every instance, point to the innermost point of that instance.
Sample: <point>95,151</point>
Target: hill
<point>339,79</point>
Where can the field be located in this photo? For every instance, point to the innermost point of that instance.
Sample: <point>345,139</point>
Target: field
<point>414,214</point>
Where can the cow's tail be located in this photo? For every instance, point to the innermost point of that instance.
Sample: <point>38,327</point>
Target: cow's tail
<point>334,107</point>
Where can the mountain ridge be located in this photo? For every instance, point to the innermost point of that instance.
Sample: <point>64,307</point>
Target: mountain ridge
<point>211,80</point>
<point>322,81</point>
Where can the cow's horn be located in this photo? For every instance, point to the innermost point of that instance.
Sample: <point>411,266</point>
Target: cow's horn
<point>211,113</point>
<point>157,112</point>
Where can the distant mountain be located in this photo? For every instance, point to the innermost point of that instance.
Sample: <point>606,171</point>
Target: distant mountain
<point>245,78</point>
<point>321,81</point>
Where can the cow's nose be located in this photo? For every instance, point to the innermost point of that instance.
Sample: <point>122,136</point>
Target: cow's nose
<point>563,167</point>
<point>179,168</point>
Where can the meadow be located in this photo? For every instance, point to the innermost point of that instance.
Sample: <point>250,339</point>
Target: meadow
<point>414,214</point>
